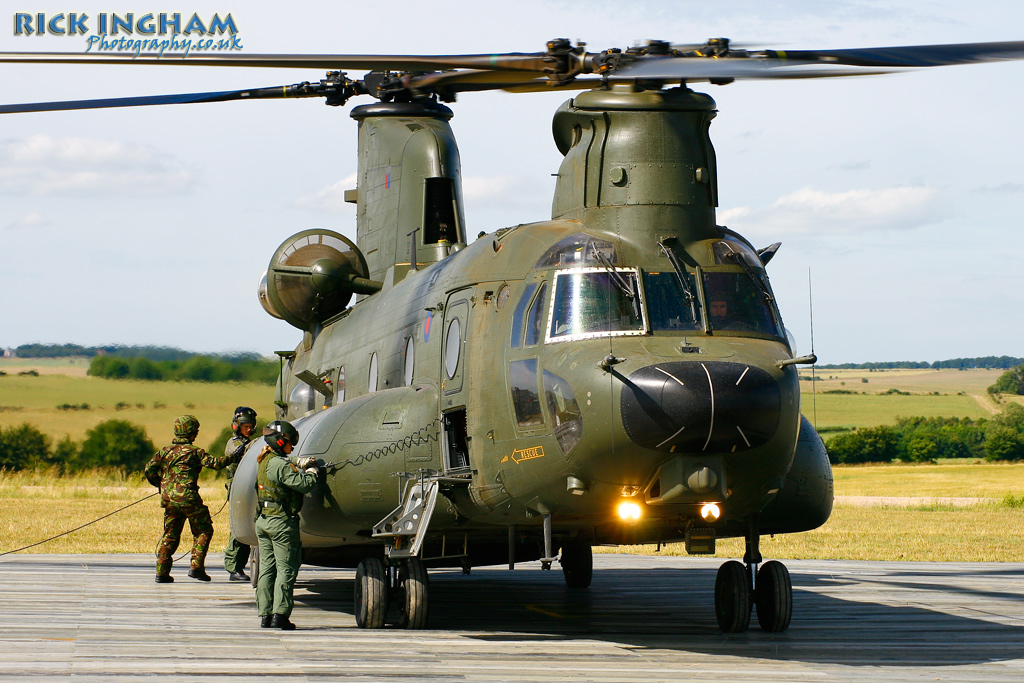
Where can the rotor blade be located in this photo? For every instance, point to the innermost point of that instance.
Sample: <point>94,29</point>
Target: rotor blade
<point>512,60</point>
<point>909,56</point>
<point>700,68</point>
<point>145,101</point>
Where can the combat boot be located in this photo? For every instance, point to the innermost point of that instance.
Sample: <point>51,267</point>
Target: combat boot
<point>280,621</point>
<point>199,574</point>
<point>164,578</point>
<point>265,621</point>
<point>238,576</point>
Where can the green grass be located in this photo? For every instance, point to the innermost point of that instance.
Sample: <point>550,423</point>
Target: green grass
<point>859,410</point>
<point>963,480</point>
<point>35,400</point>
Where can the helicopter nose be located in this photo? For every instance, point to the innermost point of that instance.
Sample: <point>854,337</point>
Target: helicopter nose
<point>700,407</point>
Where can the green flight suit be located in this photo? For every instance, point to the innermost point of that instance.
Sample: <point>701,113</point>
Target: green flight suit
<point>236,553</point>
<point>280,486</point>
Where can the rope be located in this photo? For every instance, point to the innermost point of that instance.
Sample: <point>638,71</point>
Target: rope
<point>81,527</point>
<point>109,514</point>
<point>420,436</point>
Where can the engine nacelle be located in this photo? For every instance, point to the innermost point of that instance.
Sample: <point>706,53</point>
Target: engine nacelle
<point>312,276</point>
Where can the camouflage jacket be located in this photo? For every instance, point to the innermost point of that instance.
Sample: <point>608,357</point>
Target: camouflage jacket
<point>175,470</point>
<point>234,443</point>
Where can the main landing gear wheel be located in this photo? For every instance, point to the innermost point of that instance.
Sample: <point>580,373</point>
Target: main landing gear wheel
<point>774,597</point>
<point>577,562</point>
<point>732,597</point>
<point>410,594</point>
<point>371,596</point>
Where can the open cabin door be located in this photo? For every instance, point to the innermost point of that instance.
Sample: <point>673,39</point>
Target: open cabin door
<point>455,445</point>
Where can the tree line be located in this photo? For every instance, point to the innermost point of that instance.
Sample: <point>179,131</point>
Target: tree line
<point>154,353</point>
<point>198,368</point>
<point>924,439</point>
<point>113,444</point>
<point>982,362</point>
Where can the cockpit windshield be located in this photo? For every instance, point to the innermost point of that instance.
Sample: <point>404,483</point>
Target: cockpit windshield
<point>668,306</point>
<point>595,302</point>
<point>736,303</point>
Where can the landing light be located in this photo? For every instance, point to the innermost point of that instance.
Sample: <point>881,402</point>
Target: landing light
<point>710,512</point>
<point>629,511</point>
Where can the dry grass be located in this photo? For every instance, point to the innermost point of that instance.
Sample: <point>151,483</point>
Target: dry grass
<point>36,506</point>
<point>986,533</point>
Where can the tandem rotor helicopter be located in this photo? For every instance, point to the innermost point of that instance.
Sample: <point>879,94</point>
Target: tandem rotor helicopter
<point>619,374</point>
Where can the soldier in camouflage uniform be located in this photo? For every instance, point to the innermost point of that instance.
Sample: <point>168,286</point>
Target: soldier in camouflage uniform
<point>175,470</point>
<point>280,485</point>
<point>236,553</point>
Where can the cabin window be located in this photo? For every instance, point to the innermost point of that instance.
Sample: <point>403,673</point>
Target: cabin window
<point>668,306</point>
<point>595,302</point>
<point>736,303</point>
<point>522,376</point>
<point>517,318</point>
<point>410,358</point>
<point>302,400</point>
<point>452,347</point>
<point>564,411</point>
<point>535,321</point>
<point>371,384</point>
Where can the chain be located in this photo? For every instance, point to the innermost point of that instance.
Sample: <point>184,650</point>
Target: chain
<point>424,434</point>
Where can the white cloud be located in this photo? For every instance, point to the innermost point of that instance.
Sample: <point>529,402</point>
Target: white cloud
<point>29,220</point>
<point>47,165</point>
<point>330,198</point>
<point>808,211</point>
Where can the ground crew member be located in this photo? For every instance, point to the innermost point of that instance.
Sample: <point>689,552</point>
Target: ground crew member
<point>243,424</point>
<point>175,471</point>
<point>280,484</point>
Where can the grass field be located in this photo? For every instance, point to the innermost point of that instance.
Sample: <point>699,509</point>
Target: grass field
<point>36,506</point>
<point>151,405</point>
<point>932,393</point>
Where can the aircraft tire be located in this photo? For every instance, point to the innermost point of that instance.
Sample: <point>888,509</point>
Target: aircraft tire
<point>577,562</point>
<point>370,597</point>
<point>413,602</point>
<point>774,597</point>
<point>732,597</point>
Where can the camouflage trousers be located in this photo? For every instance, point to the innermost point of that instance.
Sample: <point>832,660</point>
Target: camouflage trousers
<point>199,521</point>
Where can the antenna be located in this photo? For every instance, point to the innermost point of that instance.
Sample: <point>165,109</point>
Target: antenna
<point>814,388</point>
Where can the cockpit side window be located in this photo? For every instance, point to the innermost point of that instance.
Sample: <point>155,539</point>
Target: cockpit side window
<point>535,321</point>
<point>517,318</point>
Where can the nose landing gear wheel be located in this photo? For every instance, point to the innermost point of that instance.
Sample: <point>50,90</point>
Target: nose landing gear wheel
<point>577,562</point>
<point>732,597</point>
<point>774,597</point>
<point>411,594</point>
<point>370,596</point>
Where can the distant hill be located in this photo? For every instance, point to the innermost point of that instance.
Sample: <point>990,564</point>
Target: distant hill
<point>984,362</point>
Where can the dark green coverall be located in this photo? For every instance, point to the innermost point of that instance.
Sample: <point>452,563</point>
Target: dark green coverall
<point>280,486</point>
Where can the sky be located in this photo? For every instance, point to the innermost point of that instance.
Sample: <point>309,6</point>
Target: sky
<point>898,199</point>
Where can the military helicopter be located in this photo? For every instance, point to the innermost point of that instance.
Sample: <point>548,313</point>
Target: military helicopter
<point>619,374</point>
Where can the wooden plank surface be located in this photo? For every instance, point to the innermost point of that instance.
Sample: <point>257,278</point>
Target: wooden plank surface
<point>102,618</point>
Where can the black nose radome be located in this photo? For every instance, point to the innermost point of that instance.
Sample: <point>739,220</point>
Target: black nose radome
<point>700,407</point>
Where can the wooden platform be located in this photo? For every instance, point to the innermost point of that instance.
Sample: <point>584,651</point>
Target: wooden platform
<point>645,619</point>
